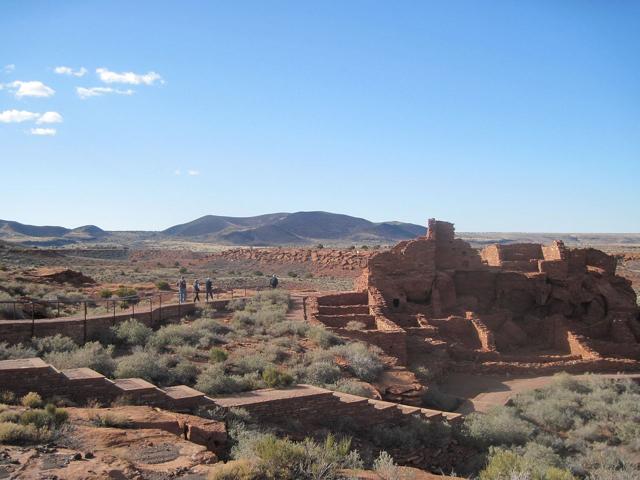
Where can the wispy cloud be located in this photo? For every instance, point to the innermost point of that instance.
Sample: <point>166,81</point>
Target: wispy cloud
<point>18,116</point>
<point>45,132</point>
<point>193,173</point>
<point>49,117</point>
<point>108,76</point>
<point>80,72</point>
<point>8,68</point>
<point>177,172</point>
<point>85,93</point>
<point>30,89</point>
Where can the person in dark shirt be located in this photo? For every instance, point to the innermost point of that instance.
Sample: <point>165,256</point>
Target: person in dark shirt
<point>196,290</point>
<point>273,282</point>
<point>208,287</point>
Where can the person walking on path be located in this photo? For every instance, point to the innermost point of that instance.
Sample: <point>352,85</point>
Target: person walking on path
<point>208,287</point>
<point>196,291</point>
<point>273,282</point>
<point>182,290</point>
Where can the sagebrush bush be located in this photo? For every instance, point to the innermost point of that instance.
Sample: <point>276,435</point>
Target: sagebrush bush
<point>498,426</point>
<point>91,355</point>
<point>281,458</point>
<point>323,337</point>
<point>217,355</point>
<point>362,361</point>
<point>214,381</point>
<point>506,465</point>
<point>131,332</point>
<point>148,365</point>
<point>9,352</point>
<point>56,343</point>
<point>355,325</point>
<point>321,373</point>
<point>275,378</point>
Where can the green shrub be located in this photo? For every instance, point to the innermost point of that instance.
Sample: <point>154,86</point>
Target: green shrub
<point>292,274</point>
<point>415,432</point>
<point>57,343</point>
<point>362,361</point>
<point>10,416</point>
<point>147,365</point>
<point>322,337</point>
<point>258,273</point>
<point>274,378</point>
<point>131,332</point>
<point>243,361</point>
<point>91,355</point>
<point>106,293</point>
<point>321,373</point>
<point>352,387</point>
<point>9,352</point>
<point>217,355</point>
<point>31,400</point>
<point>506,465</point>
<point>214,381</point>
<point>163,285</point>
<point>183,270</point>
<point>277,458</point>
<point>499,426</point>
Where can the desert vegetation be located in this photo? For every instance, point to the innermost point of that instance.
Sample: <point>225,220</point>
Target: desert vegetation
<point>254,347</point>
<point>570,430</point>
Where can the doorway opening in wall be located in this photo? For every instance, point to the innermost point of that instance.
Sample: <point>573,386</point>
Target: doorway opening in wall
<point>396,302</point>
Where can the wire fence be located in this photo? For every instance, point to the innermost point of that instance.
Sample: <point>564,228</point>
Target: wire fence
<point>43,309</point>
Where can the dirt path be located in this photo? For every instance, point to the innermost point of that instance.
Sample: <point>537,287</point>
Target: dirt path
<point>482,392</point>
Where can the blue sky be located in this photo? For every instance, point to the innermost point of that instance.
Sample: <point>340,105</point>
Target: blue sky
<point>495,115</point>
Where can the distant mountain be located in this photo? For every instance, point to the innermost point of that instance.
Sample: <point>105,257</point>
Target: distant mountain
<point>293,228</point>
<point>300,228</point>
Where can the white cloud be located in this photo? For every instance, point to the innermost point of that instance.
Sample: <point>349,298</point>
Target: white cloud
<point>17,116</point>
<point>30,89</point>
<point>85,93</point>
<point>9,68</point>
<point>193,173</point>
<point>177,172</point>
<point>47,132</point>
<point>107,76</point>
<point>49,117</point>
<point>70,71</point>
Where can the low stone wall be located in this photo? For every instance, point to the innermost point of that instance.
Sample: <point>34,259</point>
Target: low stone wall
<point>81,330</point>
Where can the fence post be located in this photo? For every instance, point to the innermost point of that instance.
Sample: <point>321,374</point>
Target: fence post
<point>33,320</point>
<point>84,335</point>
<point>114,312</point>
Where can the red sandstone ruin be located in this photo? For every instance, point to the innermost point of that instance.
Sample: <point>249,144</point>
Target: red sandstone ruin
<point>528,305</point>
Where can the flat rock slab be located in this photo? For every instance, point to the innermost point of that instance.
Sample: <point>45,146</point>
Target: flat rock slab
<point>180,392</point>
<point>134,384</point>
<point>81,374</point>
<point>22,363</point>
<point>269,395</point>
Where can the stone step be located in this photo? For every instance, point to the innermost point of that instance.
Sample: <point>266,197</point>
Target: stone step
<point>182,392</point>
<point>82,375</point>
<point>134,385</point>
